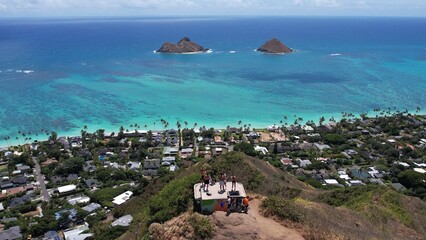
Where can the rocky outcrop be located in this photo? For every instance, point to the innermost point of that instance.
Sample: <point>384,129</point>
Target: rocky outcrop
<point>274,46</point>
<point>183,46</point>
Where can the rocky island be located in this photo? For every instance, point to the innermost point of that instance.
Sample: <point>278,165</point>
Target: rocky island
<point>183,46</point>
<point>274,46</point>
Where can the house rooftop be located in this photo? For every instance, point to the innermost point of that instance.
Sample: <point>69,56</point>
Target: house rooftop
<point>122,198</point>
<point>91,207</point>
<point>123,221</point>
<point>67,188</point>
<point>11,233</point>
<point>214,190</point>
<point>77,233</point>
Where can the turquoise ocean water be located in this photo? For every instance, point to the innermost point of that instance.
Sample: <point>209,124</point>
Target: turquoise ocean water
<point>62,74</point>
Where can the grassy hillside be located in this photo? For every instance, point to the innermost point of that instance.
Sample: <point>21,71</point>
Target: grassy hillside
<point>367,212</point>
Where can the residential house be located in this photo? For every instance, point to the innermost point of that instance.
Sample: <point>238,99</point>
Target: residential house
<point>122,198</point>
<point>52,235</point>
<point>67,188</point>
<point>123,221</point>
<point>72,213</point>
<point>304,163</point>
<point>185,153</point>
<point>168,160</point>
<point>49,161</point>
<point>77,233</point>
<point>286,161</point>
<point>92,183</point>
<point>19,201</point>
<point>11,233</point>
<point>78,199</point>
<point>91,207</point>
<point>150,167</point>
<point>136,166</point>
<point>170,151</point>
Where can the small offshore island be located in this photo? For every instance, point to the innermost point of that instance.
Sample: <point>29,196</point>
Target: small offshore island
<point>183,46</point>
<point>274,46</point>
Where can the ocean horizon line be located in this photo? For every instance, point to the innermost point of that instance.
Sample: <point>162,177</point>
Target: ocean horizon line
<point>200,17</point>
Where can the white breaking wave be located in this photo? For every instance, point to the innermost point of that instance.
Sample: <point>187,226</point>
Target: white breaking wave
<point>232,51</point>
<point>209,51</point>
<point>335,54</point>
<point>24,71</point>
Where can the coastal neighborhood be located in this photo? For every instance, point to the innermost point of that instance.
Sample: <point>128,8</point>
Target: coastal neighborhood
<point>66,187</point>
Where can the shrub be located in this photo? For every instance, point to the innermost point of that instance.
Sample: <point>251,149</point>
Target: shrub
<point>314,183</point>
<point>282,208</point>
<point>246,148</point>
<point>335,139</point>
<point>203,229</point>
<point>173,199</point>
<point>109,233</point>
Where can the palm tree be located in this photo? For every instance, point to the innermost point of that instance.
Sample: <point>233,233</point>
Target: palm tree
<point>239,122</point>
<point>322,119</point>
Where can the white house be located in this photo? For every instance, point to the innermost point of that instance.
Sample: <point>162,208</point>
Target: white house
<point>122,198</point>
<point>419,170</point>
<point>263,150</point>
<point>67,188</point>
<point>331,181</point>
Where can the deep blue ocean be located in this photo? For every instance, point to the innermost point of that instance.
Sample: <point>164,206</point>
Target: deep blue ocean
<point>62,74</point>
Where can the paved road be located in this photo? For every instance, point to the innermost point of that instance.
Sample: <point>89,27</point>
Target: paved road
<point>40,179</point>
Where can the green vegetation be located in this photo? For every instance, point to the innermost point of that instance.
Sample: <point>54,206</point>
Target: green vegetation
<point>335,138</point>
<point>246,148</point>
<point>105,196</point>
<point>173,199</point>
<point>70,166</point>
<point>378,202</point>
<point>109,233</point>
<point>203,229</point>
<point>415,182</point>
<point>282,208</point>
<point>233,163</point>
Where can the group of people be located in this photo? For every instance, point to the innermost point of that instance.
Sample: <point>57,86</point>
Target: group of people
<point>208,179</point>
<point>235,204</point>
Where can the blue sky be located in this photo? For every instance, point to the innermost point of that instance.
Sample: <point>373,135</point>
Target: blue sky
<point>52,8</point>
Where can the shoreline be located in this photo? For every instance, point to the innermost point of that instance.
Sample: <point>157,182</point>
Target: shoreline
<point>159,127</point>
